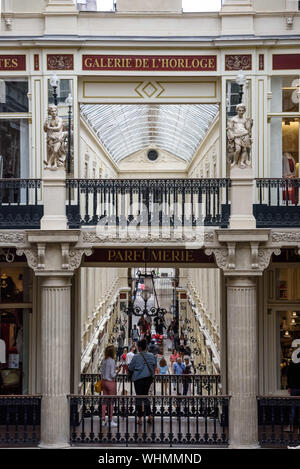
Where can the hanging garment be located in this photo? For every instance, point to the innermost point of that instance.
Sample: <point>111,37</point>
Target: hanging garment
<point>2,351</point>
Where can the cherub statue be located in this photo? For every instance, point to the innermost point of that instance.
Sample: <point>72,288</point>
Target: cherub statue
<point>239,133</point>
<point>56,151</point>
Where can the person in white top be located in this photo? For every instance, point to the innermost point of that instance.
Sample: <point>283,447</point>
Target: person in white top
<point>108,377</point>
<point>130,355</point>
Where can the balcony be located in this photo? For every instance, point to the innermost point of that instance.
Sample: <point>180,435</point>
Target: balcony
<point>162,204</point>
<point>20,206</point>
<point>20,418</point>
<point>176,420</point>
<point>165,208</point>
<point>278,421</point>
<point>278,203</point>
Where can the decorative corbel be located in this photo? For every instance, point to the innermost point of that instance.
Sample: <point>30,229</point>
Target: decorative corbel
<point>231,255</point>
<point>221,256</point>
<point>74,257</point>
<point>264,256</point>
<point>65,256</point>
<point>41,256</point>
<point>31,256</point>
<point>254,255</point>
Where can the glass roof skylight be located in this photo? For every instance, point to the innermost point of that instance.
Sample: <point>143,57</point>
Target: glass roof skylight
<point>125,129</point>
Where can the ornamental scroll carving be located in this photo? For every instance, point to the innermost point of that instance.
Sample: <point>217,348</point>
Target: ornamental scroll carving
<point>31,256</point>
<point>221,256</point>
<point>72,258</point>
<point>238,62</point>
<point>60,62</point>
<point>264,256</point>
<point>12,238</point>
<point>282,236</point>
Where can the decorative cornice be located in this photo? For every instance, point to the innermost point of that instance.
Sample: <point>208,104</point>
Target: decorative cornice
<point>285,236</point>
<point>12,238</point>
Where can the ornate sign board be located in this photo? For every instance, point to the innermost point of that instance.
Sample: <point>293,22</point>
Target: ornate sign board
<point>286,61</point>
<point>13,63</point>
<point>153,256</point>
<point>147,63</point>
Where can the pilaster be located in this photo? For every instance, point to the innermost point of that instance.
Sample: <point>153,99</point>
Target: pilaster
<point>61,17</point>
<point>56,360</point>
<point>242,346</point>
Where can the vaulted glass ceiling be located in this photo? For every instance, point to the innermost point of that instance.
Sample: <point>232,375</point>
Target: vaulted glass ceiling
<point>125,129</point>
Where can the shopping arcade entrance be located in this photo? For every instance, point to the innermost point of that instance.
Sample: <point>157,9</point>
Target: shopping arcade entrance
<point>184,418</point>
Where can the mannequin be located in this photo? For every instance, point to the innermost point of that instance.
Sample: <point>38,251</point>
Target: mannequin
<point>288,165</point>
<point>289,172</point>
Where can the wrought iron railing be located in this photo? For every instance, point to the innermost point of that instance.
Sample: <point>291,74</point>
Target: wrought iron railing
<point>162,384</point>
<point>278,203</point>
<point>19,203</point>
<point>161,203</point>
<point>279,421</point>
<point>20,420</point>
<point>186,420</point>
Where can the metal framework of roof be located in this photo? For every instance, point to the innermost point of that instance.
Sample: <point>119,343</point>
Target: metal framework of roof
<point>126,129</point>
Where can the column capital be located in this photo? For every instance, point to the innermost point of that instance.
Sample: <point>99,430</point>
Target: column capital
<point>60,257</point>
<point>243,253</point>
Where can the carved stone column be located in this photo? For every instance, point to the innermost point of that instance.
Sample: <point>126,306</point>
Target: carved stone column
<point>242,361</point>
<point>55,351</point>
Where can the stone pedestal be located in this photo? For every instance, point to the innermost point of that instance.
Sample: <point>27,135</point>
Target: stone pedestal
<point>242,191</point>
<point>54,197</point>
<point>56,356</point>
<point>242,361</point>
<point>171,6</point>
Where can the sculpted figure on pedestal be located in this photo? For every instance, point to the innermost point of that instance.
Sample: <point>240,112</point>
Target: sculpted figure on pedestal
<point>56,151</point>
<point>239,133</point>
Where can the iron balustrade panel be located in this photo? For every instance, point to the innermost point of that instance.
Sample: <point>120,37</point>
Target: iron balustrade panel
<point>156,203</point>
<point>279,421</point>
<point>20,206</point>
<point>176,420</point>
<point>278,203</point>
<point>162,384</point>
<point>20,420</point>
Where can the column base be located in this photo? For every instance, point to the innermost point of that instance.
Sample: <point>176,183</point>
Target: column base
<point>49,222</point>
<point>237,446</point>
<point>63,445</point>
<point>240,222</point>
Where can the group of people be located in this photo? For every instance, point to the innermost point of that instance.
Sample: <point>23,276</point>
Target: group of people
<point>141,368</point>
<point>141,363</point>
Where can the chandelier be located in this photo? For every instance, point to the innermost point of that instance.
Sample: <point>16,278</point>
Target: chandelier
<point>147,279</point>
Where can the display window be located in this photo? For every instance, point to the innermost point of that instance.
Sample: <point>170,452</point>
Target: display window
<point>289,330</point>
<point>284,118</point>
<point>285,93</point>
<point>13,95</point>
<point>288,283</point>
<point>14,131</point>
<point>14,331</point>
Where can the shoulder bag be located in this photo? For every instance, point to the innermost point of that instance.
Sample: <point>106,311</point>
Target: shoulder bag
<point>148,366</point>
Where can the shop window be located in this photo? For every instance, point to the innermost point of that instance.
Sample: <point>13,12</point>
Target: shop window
<point>14,148</point>
<point>13,95</point>
<point>285,147</point>
<point>285,94</point>
<point>289,328</point>
<point>288,283</point>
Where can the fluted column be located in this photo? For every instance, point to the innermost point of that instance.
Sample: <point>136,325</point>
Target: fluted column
<point>56,360</point>
<point>242,361</point>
